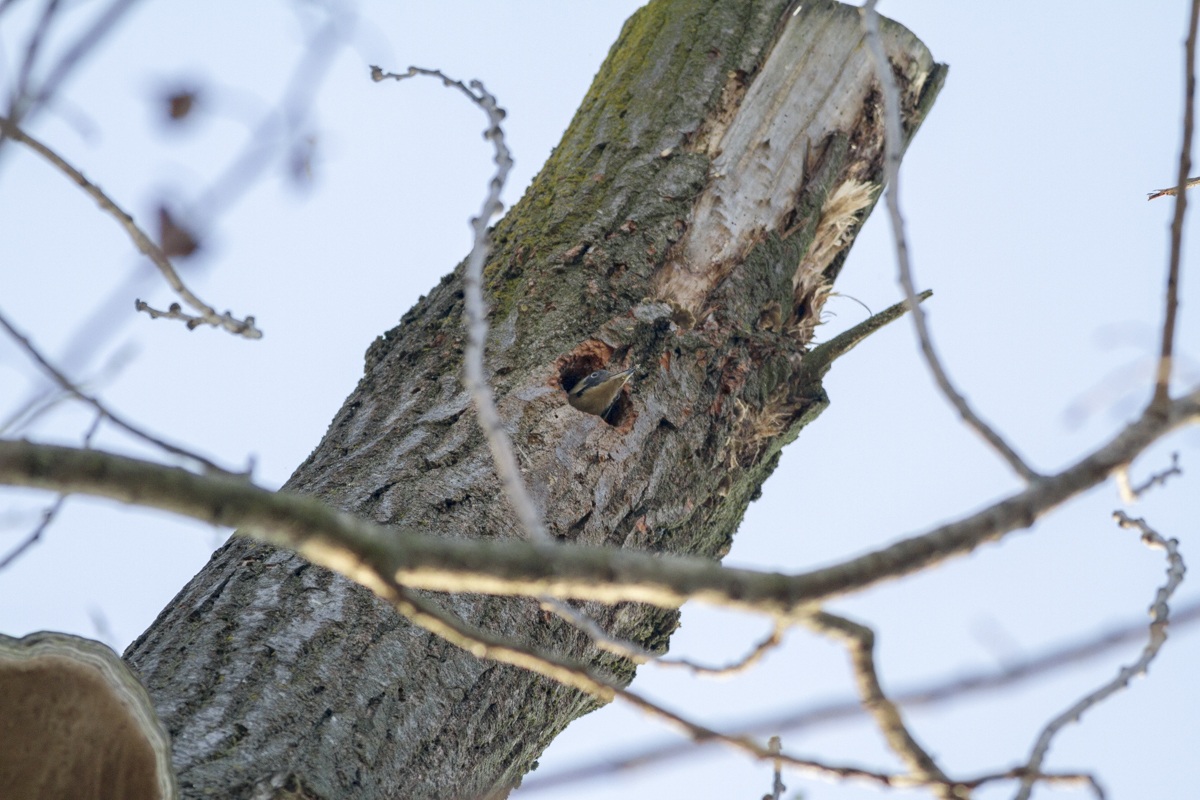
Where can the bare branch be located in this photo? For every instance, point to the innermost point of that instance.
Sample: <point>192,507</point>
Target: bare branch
<point>285,122</point>
<point>600,637</point>
<point>640,655</point>
<point>36,534</point>
<point>766,645</point>
<point>1075,779</point>
<point>476,311</point>
<point>69,387</point>
<point>1131,494</point>
<point>1172,190</point>
<point>34,45</point>
<point>24,100</point>
<point>1162,383</point>
<point>140,239</point>
<point>860,642</point>
<point>777,788</point>
<point>363,551</point>
<point>507,468</point>
<point>1159,613</point>
<point>52,510</point>
<point>893,149</point>
<point>483,645</point>
<point>379,558</point>
<point>438,621</point>
<point>78,51</point>
<point>42,401</point>
<point>175,311</point>
<point>818,360</point>
<point>809,718</point>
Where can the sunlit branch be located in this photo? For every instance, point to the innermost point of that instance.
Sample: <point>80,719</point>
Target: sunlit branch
<point>363,551</point>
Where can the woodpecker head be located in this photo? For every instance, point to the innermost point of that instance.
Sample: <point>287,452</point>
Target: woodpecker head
<point>595,393</point>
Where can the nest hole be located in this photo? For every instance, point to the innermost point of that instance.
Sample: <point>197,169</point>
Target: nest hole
<point>577,367</point>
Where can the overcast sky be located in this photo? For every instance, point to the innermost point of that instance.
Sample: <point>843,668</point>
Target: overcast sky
<point>1025,198</point>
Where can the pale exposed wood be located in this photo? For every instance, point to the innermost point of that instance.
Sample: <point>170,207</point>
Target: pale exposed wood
<point>272,673</point>
<point>814,85</point>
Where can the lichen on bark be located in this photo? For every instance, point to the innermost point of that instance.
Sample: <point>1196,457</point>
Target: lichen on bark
<point>266,669</point>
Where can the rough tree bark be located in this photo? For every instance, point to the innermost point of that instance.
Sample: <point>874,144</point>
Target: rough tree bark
<point>691,221</point>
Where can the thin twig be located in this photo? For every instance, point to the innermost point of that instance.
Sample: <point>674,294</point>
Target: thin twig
<point>1159,614</point>
<point>859,640</point>
<point>476,310</point>
<point>141,240</point>
<point>766,645</point>
<point>43,401</point>
<point>78,51</point>
<point>22,101</point>
<point>1131,494</point>
<point>640,655</point>
<point>36,534</point>
<point>1070,779</point>
<point>775,744</point>
<point>1159,478</point>
<point>52,510</point>
<point>1162,382</point>
<point>67,386</point>
<point>175,311</point>
<point>475,374</point>
<point>1172,190</point>
<point>458,632</point>
<point>602,638</point>
<point>893,148</point>
<point>286,120</point>
<point>40,32</point>
<point>810,718</point>
<point>820,358</point>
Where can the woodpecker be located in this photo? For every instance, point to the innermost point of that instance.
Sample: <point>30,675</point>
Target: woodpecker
<point>596,393</point>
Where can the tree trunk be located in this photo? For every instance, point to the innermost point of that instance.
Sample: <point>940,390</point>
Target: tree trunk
<point>691,222</point>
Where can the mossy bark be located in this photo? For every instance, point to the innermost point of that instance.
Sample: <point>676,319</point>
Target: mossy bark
<point>274,676</point>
